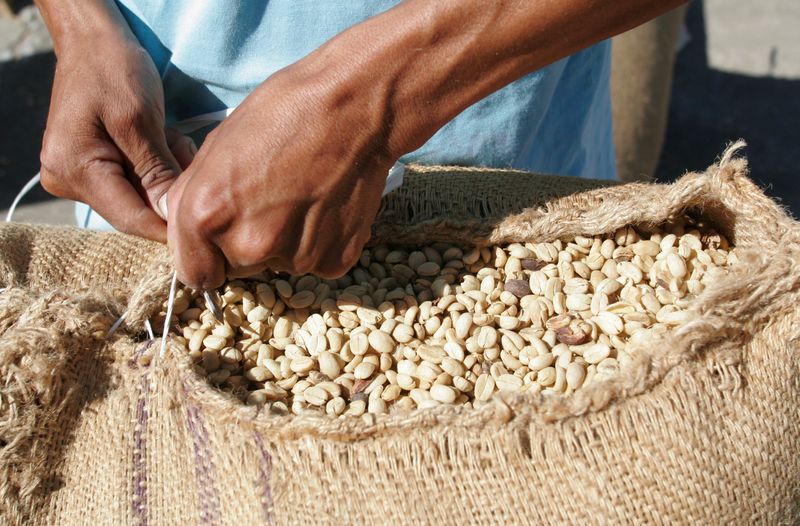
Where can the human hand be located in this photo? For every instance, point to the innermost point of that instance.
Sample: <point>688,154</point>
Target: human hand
<point>291,181</point>
<point>105,142</point>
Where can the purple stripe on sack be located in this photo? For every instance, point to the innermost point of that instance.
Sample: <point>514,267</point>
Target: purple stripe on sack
<point>265,467</point>
<point>140,455</point>
<point>203,467</point>
<point>134,361</point>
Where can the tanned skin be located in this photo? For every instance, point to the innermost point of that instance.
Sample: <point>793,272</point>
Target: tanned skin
<point>292,179</point>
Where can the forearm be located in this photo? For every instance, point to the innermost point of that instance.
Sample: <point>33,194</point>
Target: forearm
<point>422,63</point>
<point>70,21</point>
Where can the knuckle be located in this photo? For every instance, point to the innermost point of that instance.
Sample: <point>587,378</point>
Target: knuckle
<point>203,219</point>
<point>351,254</point>
<point>48,157</point>
<point>250,251</point>
<point>328,273</point>
<point>352,251</point>
<point>153,172</point>
<point>239,258</point>
<point>339,258</point>
<point>337,266</point>
<point>331,271</point>
<point>125,117</point>
<point>51,181</point>
<point>131,113</point>
<point>204,212</point>
<point>51,155</point>
<point>303,266</point>
<point>53,169</point>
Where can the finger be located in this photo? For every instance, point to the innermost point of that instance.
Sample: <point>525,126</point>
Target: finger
<point>274,265</point>
<point>116,200</point>
<point>335,263</point>
<point>182,147</point>
<point>56,184</point>
<point>198,262</point>
<point>152,168</point>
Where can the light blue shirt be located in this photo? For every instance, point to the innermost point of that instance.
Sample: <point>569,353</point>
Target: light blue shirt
<point>212,53</point>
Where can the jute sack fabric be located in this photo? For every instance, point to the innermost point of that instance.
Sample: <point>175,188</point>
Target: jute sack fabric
<point>702,428</point>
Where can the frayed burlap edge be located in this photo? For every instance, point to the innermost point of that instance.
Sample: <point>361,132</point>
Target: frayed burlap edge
<point>767,240</point>
<point>724,316</point>
<point>37,334</point>
<point>115,269</point>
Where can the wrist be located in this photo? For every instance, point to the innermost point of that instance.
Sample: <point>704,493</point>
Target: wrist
<point>78,24</point>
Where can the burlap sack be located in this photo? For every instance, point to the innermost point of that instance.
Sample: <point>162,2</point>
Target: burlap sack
<point>702,428</point>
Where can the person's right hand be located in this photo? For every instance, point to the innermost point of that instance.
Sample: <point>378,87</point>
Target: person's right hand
<point>105,142</point>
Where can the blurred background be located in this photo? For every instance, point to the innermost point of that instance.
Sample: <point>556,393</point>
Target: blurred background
<point>736,75</point>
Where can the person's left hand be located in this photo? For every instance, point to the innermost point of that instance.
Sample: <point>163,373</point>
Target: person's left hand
<point>291,181</point>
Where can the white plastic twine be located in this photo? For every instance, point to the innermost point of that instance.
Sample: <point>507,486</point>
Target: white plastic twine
<point>87,217</point>
<point>116,324</point>
<point>22,193</point>
<point>149,328</point>
<point>201,121</point>
<point>393,181</point>
<point>170,305</point>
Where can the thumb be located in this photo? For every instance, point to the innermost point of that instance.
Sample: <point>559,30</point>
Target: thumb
<point>151,166</point>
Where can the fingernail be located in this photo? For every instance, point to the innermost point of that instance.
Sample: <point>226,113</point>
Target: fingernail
<point>192,146</point>
<point>161,207</point>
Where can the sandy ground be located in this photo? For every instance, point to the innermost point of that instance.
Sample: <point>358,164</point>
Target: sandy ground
<point>739,76</point>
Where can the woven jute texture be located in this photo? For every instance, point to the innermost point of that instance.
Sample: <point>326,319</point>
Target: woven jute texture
<point>702,428</point>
